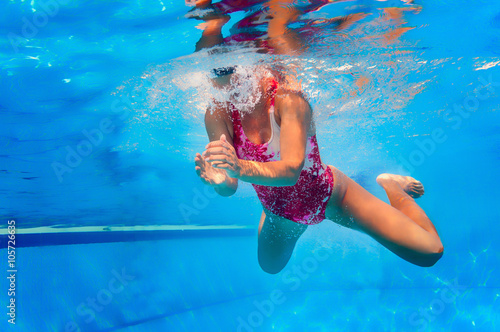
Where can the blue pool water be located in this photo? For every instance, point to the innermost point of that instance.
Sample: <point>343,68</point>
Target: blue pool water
<point>122,236</point>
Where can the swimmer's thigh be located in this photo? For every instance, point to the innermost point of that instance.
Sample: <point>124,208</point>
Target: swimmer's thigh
<point>334,209</point>
<point>277,238</point>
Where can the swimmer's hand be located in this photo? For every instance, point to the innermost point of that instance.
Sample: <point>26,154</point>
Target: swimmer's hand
<point>208,174</point>
<point>222,156</point>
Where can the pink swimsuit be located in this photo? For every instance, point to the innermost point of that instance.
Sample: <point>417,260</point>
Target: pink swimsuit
<point>305,202</point>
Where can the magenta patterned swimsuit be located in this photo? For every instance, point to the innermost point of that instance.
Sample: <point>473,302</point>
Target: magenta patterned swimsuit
<point>305,202</point>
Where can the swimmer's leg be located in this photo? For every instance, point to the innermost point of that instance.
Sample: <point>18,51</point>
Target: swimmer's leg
<point>212,32</point>
<point>401,191</point>
<point>402,227</point>
<point>277,238</point>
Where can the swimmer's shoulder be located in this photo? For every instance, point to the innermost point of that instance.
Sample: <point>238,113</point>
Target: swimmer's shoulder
<point>218,117</point>
<point>290,98</point>
<point>287,98</point>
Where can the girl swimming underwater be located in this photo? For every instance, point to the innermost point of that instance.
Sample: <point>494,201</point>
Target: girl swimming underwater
<point>273,146</point>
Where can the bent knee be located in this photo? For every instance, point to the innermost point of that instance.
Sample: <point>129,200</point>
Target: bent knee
<point>271,266</point>
<point>273,261</point>
<point>432,257</point>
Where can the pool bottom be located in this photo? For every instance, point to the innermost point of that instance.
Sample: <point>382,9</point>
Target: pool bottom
<point>343,281</point>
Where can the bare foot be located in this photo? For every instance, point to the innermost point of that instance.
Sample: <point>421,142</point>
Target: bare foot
<point>411,186</point>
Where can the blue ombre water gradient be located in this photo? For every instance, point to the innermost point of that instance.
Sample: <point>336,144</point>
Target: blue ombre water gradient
<point>101,115</point>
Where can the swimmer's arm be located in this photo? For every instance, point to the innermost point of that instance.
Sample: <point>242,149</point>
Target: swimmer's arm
<point>216,126</point>
<point>295,114</point>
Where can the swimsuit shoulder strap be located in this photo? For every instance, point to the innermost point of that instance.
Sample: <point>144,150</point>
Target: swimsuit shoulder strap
<point>235,115</point>
<point>272,109</point>
<point>238,134</point>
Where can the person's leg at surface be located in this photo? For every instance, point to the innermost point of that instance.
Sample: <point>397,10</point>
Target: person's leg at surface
<point>212,25</point>
<point>212,32</point>
<point>403,228</point>
<point>276,241</point>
